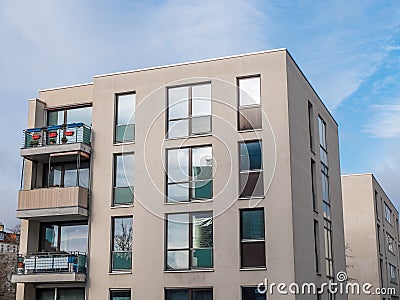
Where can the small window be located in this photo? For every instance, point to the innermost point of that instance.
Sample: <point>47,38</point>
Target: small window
<point>392,273</point>
<point>123,179</point>
<point>391,245</point>
<point>252,238</point>
<point>189,174</point>
<point>189,241</point>
<point>121,258</point>
<point>120,295</point>
<point>249,103</point>
<point>388,214</point>
<point>125,118</point>
<point>251,174</point>
<point>189,110</point>
<point>252,293</point>
<point>189,294</point>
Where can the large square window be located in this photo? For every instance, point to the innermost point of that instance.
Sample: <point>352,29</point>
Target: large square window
<point>123,179</point>
<point>121,256</point>
<point>251,174</point>
<point>250,116</point>
<point>252,238</point>
<point>189,110</point>
<point>189,241</point>
<point>189,174</point>
<point>125,118</point>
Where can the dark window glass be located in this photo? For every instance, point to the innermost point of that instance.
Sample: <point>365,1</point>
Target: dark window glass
<point>249,103</point>
<point>122,243</point>
<point>311,125</point>
<point>190,174</point>
<point>45,294</point>
<point>313,185</point>
<point>251,175</point>
<point>123,179</point>
<point>189,241</point>
<point>316,245</point>
<point>252,238</point>
<point>189,110</point>
<point>251,293</point>
<point>120,295</point>
<point>125,118</point>
<point>188,294</point>
<point>71,294</point>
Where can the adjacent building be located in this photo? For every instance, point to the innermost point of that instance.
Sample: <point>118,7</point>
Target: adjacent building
<point>9,241</point>
<point>189,181</point>
<point>371,224</point>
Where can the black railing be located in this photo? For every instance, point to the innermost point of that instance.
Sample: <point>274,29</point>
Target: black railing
<point>74,262</point>
<point>57,135</point>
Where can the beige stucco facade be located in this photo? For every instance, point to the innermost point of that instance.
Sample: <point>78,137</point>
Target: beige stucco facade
<point>366,234</point>
<point>286,156</point>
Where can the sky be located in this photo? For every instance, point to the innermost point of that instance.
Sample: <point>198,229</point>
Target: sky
<point>349,51</point>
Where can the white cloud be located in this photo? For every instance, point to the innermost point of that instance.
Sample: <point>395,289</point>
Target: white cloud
<point>386,122</point>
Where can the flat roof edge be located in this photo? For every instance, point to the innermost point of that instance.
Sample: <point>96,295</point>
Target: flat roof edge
<point>190,62</point>
<point>66,87</point>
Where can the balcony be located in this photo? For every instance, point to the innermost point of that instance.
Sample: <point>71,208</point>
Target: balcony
<point>51,268</point>
<point>53,204</point>
<point>40,143</point>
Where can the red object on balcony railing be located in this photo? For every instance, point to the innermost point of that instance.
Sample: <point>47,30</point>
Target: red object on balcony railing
<point>69,133</point>
<point>52,134</point>
<point>36,136</point>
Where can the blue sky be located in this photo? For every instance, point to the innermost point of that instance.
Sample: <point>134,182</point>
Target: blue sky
<point>349,50</point>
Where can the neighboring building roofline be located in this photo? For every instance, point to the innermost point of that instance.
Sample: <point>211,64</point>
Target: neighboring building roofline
<point>191,62</point>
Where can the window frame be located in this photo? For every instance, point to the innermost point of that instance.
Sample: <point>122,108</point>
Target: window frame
<point>190,242</point>
<point>116,111</point>
<point>244,288</point>
<point>388,214</point>
<point>112,270</point>
<point>190,110</point>
<point>392,271</point>
<point>311,124</point>
<point>114,180</point>
<point>123,290</point>
<point>190,175</point>
<point>391,243</point>
<point>189,291</point>
<point>65,109</point>
<point>251,241</point>
<point>244,107</point>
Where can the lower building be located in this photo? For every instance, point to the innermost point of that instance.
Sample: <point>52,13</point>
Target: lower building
<point>371,224</point>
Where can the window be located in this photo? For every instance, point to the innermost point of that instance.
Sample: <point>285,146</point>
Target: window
<point>251,174</point>
<point>313,185</point>
<point>328,249</point>
<point>392,273</point>
<point>388,214</point>
<point>249,117</point>
<point>61,294</point>
<point>252,238</point>
<point>189,174</point>
<point>189,294</point>
<point>69,116</point>
<point>189,110</point>
<point>63,237</point>
<point>125,118</point>
<point>325,195</point>
<point>189,241</point>
<point>376,205</point>
<point>311,125</point>
<point>120,295</point>
<point>322,141</point>
<point>390,243</point>
<point>67,174</point>
<point>378,230</point>
<point>123,179</point>
<point>316,246</point>
<point>251,293</point>
<point>122,243</point>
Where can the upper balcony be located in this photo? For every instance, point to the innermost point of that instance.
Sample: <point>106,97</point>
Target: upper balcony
<point>40,143</point>
<point>51,268</point>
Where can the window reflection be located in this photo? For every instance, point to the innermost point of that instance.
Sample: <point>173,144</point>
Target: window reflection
<point>63,237</point>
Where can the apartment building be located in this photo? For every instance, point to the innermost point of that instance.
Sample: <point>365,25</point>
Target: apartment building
<point>8,241</point>
<point>189,181</point>
<point>371,224</point>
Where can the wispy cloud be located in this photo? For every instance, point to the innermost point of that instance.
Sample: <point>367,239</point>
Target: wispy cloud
<point>386,122</point>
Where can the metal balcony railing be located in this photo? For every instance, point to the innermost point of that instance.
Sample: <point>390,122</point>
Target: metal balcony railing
<point>74,262</point>
<point>57,135</point>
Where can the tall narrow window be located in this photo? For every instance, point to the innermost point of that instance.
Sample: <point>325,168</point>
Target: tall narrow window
<point>125,118</point>
<point>322,141</point>
<point>391,244</point>
<point>251,174</point>
<point>378,229</point>
<point>123,179</point>
<point>121,258</point>
<point>189,294</point>
<point>249,115</point>
<point>120,295</point>
<point>316,245</point>
<point>376,199</point>
<point>190,174</point>
<point>189,241</point>
<point>252,237</point>
<point>311,125</point>
<point>392,274</point>
<point>189,110</point>
<point>328,249</point>
<point>388,213</point>
<point>251,293</point>
<point>313,185</point>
